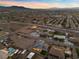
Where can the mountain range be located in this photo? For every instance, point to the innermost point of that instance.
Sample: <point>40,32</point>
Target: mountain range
<point>76,9</point>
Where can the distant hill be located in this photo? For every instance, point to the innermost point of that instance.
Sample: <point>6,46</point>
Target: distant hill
<point>1,7</point>
<point>13,8</point>
<point>18,7</point>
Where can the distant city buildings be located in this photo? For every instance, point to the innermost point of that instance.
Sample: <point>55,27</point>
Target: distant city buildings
<point>39,35</point>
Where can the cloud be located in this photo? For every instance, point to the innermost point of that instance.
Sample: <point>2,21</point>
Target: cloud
<point>38,4</point>
<point>25,4</point>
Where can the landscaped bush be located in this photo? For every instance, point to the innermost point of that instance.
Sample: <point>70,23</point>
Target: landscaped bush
<point>59,33</point>
<point>57,39</point>
<point>45,53</point>
<point>77,50</point>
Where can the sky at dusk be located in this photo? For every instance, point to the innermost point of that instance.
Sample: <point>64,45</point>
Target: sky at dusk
<point>41,3</point>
